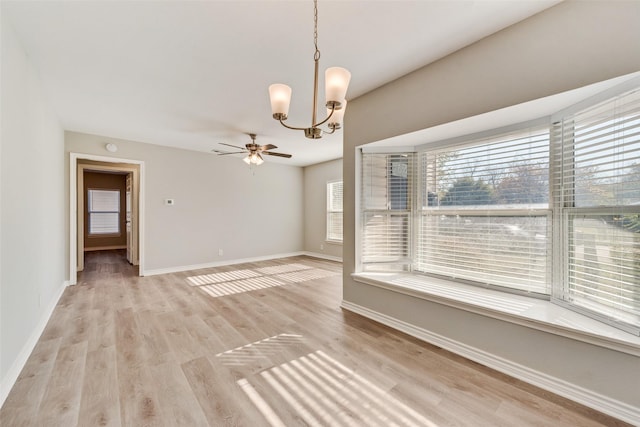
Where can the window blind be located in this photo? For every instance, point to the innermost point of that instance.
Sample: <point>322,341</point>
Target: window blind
<point>553,211</point>
<point>597,192</point>
<point>386,198</point>
<point>104,211</point>
<point>484,212</point>
<point>334,210</point>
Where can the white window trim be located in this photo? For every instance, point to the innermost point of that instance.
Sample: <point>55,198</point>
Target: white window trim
<point>534,313</point>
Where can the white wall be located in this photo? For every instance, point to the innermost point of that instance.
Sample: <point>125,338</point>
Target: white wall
<point>315,208</point>
<point>32,218</point>
<point>219,204</point>
<point>571,45</point>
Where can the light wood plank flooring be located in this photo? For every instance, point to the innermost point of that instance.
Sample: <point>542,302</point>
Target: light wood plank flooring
<point>261,344</point>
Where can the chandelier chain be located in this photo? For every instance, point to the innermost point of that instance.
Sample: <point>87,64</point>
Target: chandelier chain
<point>336,82</point>
<point>316,55</point>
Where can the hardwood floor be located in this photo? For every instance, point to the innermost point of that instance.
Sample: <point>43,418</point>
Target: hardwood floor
<point>261,344</point>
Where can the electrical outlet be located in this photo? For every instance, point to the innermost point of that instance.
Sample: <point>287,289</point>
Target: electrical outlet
<point>220,252</point>
<point>169,202</point>
<point>321,247</point>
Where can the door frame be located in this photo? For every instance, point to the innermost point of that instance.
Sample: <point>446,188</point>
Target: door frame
<point>73,209</point>
<point>81,206</point>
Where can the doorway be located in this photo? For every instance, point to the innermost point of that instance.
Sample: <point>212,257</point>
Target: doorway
<point>127,233</point>
<point>105,213</point>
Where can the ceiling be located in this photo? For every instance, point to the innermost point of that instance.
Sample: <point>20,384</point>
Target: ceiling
<point>193,74</point>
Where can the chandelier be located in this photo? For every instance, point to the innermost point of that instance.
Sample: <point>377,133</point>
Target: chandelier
<point>336,82</point>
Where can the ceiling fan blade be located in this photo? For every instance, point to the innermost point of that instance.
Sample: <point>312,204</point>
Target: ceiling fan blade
<point>268,147</point>
<point>270,153</point>
<point>234,146</point>
<point>222,153</point>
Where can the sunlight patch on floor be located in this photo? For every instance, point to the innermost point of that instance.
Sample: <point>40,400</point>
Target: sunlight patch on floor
<point>272,418</point>
<point>322,391</point>
<point>277,269</point>
<point>226,276</point>
<point>262,349</point>
<point>240,286</point>
<point>303,276</point>
<point>239,281</point>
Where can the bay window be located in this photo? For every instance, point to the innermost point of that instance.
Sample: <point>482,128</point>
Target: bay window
<point>547,211</point>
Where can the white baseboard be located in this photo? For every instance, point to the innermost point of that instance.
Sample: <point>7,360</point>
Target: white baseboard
<point>322,256</point>
<point>217,264</point>
<point>18,364</point>
<point>560,387</point>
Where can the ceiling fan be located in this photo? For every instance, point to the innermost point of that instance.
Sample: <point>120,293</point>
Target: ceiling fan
<point>254,151</point>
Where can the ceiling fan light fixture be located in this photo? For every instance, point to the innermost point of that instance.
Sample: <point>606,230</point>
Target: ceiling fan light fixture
<point>258,159</point>
<point>336,84</point>
<point>253,158</point>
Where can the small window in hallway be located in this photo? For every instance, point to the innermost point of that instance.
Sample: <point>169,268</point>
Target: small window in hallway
<point>334,211</point>
<point>104,212</point>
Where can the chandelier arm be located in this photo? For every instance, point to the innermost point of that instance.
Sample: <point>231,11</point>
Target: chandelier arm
<point>289,127</point>
<point>329,133</point>
<point>315,125</point>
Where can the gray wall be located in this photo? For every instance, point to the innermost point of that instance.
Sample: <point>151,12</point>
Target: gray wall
<point>219,203</point>
<point>32,224</point>
<point>315,207</point>
<point>571,45</point>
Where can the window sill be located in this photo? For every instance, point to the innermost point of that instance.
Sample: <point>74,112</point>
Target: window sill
<point>334,242</point>
<point>530,312</point>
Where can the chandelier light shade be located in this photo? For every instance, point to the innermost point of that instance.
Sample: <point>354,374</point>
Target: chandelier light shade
<point>336,85</point>
<point>336,82</point>
<point>280,99</point>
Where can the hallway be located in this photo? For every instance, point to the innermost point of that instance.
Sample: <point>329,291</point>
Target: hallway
<point>106,264</point>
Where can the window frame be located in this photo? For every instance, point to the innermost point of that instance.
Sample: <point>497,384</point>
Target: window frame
<point>331,211</point>
<point>90,211</point>
<point>390,212</point>
<point>566,204</point>
<point>530,137</point>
